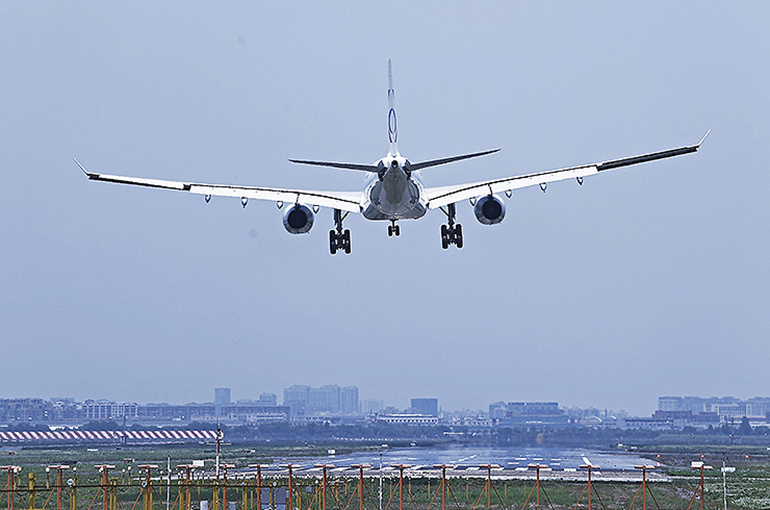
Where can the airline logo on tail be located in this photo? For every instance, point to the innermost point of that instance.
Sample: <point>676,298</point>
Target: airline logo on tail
<point>392,123</point>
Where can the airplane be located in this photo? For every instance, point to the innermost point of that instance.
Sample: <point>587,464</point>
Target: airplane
<point>394,190</point>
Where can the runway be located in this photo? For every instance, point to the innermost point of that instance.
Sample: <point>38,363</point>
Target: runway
<point>511,463</point>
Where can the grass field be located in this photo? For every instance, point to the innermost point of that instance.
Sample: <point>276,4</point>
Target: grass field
<point>747,488</point>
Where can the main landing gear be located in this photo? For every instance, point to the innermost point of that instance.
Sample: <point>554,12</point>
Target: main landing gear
<point>453,232</point>
<point>339,239</point>
<point>393,229</point>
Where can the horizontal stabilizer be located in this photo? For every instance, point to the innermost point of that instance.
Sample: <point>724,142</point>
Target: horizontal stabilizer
<point>435,162</point>
<point>346,166</point>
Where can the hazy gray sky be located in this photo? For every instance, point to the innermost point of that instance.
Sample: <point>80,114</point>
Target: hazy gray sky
<point>646,281</point>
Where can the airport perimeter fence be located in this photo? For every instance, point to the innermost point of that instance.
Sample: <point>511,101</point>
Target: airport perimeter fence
<point>250,490</point>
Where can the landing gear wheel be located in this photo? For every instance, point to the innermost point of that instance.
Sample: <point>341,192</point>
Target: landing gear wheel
<point>339,239</point>
<point>444,237</point>
<point>397,230</point>
<point>453,232</point>
<point>346,241</point>
<point>390,230</point>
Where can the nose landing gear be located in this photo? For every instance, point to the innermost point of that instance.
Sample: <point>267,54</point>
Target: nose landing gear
<point>453,232</point>
<point>339,239</point>
<point>393,229</point>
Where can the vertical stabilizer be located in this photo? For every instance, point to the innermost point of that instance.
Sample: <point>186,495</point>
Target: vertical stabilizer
<point>392,122</point>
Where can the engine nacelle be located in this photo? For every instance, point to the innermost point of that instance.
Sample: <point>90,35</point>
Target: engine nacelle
<point>489,210</point>
<point>298,219</point>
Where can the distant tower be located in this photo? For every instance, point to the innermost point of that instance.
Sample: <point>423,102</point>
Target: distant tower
<point>325,399</point>
<point>297,397</point>
<point>349,400</point>
<point>221,399</point>
<point>428,406</point>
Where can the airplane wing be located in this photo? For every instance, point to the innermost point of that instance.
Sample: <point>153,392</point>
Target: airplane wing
<point>343,200</point>
<point>441,196</point>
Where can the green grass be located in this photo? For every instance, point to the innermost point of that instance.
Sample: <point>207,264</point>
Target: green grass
<point>748,487</point>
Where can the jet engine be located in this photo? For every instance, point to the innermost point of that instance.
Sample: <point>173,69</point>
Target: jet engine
<point>298,219</point>
<point>489,210</point>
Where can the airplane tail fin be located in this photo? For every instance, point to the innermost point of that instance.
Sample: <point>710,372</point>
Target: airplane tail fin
<point>392,121</point>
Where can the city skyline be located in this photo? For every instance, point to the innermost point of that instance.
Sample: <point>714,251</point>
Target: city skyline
<point>669,407</point>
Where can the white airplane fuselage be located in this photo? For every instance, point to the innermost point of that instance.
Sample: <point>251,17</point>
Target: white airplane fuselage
<point>395,193</point>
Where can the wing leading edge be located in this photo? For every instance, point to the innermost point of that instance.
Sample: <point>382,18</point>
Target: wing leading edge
<point>343,200</point>
<point>442,196</point>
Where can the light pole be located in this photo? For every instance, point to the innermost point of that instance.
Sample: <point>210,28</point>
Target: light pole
<point>380,505</point>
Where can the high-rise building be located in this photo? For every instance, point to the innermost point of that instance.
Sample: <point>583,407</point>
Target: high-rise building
<point>427,406</point>
<point>330,398</point>
<point>325,399</point>
<point>297,397</point>
<point>349,400</point>
<point>221,399</point>
<point>221,396</point>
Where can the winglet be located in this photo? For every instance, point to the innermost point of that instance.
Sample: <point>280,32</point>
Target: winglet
<point>88,174</point>
<point>704,138</point>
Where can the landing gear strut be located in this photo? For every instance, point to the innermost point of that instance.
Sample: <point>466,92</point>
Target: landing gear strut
<point>453,232</point>
<point>393,229</point>
<point>339,239</point>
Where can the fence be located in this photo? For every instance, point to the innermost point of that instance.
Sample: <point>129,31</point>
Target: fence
<point>254,489</point>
